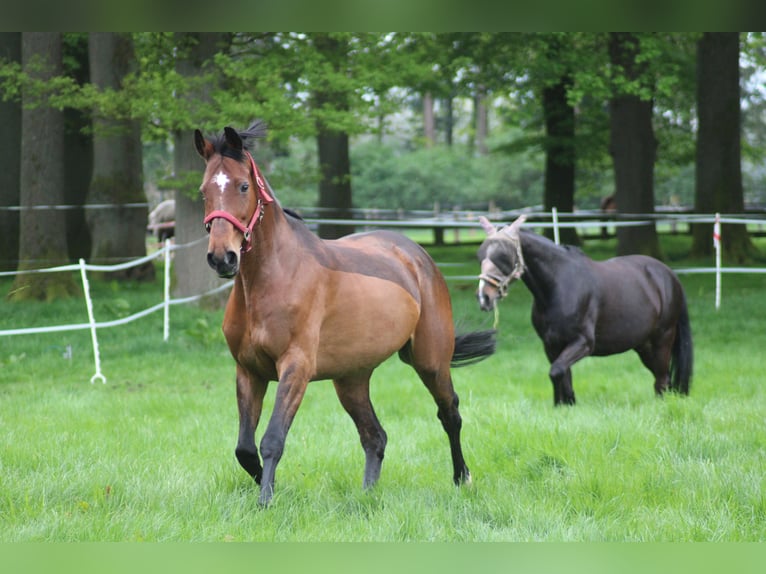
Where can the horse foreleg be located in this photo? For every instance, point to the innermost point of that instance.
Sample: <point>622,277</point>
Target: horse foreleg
<point>561,373</point>
<point>354,395</point>
<point>250,392</point>
<point>292,387</point>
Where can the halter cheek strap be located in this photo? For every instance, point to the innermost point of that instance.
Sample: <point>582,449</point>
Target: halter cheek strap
<point>246,230</point>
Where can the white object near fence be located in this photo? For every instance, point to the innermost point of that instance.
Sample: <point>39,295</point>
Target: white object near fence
<point>555,217</point>
<point>92,321</point>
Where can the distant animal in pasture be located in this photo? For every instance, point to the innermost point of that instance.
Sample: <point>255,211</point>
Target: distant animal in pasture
<point>583,307</point>
<point>162,220</point>
<point>304,309</point>
<point>608,206</point>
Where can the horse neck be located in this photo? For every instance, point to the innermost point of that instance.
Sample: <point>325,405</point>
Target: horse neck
<point>542,258</point>
<point>276,246</point>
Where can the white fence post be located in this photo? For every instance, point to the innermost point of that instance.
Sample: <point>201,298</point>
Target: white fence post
<point>89,305</point>
<point>555,217</point>
<point>166,327</point>
<point>717,245</point>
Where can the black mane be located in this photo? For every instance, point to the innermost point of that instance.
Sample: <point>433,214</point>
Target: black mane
<point>256,130</point>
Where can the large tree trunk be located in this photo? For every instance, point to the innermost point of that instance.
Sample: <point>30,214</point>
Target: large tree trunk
<point>559,155</point>
<point>10,162</point>
<point>118,233</point>
<point>42,237</point>
<point>332,146</point>
<point>429,124</point>
<point>633,147</point>
<point>78,156</point>
<point>191,274</point>
<point>718,186</point>
<point>481,121</point>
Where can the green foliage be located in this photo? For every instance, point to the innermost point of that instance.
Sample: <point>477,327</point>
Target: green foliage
<point>388,177</point>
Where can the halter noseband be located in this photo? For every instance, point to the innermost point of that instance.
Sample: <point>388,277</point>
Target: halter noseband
<point>500,282</point>
<point>247,231</point>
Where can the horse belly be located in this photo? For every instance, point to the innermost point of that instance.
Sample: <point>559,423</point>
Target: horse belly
<point>367,322</point>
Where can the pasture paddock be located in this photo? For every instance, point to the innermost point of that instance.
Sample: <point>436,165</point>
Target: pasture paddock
<point>149,455</point>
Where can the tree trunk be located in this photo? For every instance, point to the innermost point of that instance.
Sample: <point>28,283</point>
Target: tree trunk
<point>10,162</point>
<point>429,125</point>
<point>718,181</point>
<point>481,114</point>
<point>191,274</point>
<point>633,148</point>
<point>449,120</point>
<point>559,155</point>
<point>42,237</point>
<point>119,232</point>
<point>332,146</point>
<point>78,156</point>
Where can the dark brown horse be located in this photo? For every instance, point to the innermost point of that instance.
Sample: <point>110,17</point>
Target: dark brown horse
<point>583,307</point>
<point>304,309</point>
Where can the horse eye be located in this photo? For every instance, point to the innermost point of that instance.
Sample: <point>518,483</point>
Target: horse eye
<point>244,187</point>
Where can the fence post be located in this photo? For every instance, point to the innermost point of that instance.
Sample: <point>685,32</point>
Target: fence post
<point>717,245</point>
<point>94,339</point>
<point>555,216</point>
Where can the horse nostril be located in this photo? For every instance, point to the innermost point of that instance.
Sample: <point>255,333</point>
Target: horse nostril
<point>211,260</point>
<point>231,258</point>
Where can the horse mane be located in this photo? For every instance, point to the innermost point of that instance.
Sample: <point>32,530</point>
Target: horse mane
<point>256,130</point>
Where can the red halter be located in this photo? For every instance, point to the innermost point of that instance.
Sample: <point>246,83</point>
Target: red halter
<point>247,231</point>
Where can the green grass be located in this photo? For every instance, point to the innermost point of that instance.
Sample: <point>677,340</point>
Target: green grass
<point>149,455</point>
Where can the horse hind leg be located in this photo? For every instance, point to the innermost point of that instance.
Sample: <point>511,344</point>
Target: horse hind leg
<point>656,358</point>
<point>439,384</point>
<point>354,395</point>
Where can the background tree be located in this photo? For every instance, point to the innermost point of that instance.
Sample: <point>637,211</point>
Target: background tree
<point>78,149</point>
<point>42,237</point>
<point>191,273</point>
<point>718,160</point>
<point>10,160</point>
<point>118,233</point>
<point>633,145</point>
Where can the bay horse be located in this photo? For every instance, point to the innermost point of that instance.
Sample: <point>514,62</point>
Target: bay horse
<point>304,309</point>
<point>583,307</point>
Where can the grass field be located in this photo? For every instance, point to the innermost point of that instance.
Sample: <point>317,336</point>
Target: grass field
<point>149,455</point>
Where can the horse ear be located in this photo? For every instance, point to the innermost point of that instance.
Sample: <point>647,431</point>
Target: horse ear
<point>488,227</point>
<point>204,147</point>
<point>513,229</point>
<point>232,138</point>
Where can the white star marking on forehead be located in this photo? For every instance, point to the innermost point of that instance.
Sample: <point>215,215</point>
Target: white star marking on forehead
<point>221,179</point>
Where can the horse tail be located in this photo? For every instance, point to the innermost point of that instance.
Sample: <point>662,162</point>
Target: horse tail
<point>682,359</point>
<point>473,347</point>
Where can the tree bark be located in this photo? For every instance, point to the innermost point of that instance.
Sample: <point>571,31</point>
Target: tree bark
<point>78,156</point>
<point>633,147</point>
<point>429,125</point>
<point>718,181</point>
<point>191,274</point>
<point>332,146</point>
<point>119,232</point>
<point>559,187</point>
<point>10,162</point>
<point>481,116</point>
<point>42,237</point>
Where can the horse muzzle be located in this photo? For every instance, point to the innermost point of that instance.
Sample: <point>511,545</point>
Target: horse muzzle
<point>224,262</point>
<point>487,296</point>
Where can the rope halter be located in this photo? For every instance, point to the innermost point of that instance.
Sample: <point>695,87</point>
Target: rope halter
<point>263,197</point>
